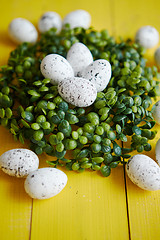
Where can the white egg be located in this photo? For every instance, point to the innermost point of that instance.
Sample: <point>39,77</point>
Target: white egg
<point>147,36</point>
<point>144,172</point>
<point>79,56</point>
<point>78,91</point>
<point>157,152</point>
<point>99,73</point>
<point>56,68</point>
<point>156,112</point>
<point>19,162</point>
<point>157,56</point>
<point>45,183</point>
<point>78,18</point>
<point>50,20</point>
<point>21,30</point>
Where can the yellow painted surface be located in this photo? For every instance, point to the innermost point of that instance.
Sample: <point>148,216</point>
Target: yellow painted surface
<point>15,205</point>
<point>144,206</point>
<point>90,207</point>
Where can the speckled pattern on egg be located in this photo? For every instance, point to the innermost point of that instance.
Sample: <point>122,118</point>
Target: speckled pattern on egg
<point>21,30</point>
<point>79,56</point>
<point>78,18</point>
<point>19,162</point>
<point>78,91</point>
<point>50,20</point>
<point>99,73</point>
<point>56,68</point>
<point>144,172</point>
<point>45,183</point>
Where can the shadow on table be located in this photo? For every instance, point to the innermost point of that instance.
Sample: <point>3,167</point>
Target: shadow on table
<point>13,188</point>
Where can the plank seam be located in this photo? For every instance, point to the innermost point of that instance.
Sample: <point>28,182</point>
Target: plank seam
<point>126,194</point>
<point>31,220</point>
<point>112,16</point>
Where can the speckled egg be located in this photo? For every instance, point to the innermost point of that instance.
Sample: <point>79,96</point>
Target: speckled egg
<point>79,56</point>
<point>157,56</point>
<point>21,30</point>
<point>157,152</point>
<point>56,68</point>
<point>78,91</point>
<point>19,162</point>
<point>78,18</point>
<point>147,36</point>
<point>144,172</point>
<point>50,20</point>
<point>99,73</point>
<point>45,183</point>
<point>156,112</point>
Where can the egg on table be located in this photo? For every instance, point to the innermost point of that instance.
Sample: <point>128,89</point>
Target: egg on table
<point>99,73</point>
<point>157,56</point>
<point>50,20</point>
<point>156,112</point>
<point>79,56</point>
<point>45,183</point>
<point>78,91</point>
<point>19,162</point>
<point>56,68</point>
<point>157,152</point>
<point>147,36</point>
<point>77,18</point>
<point>144,172</point>
<point>21,30</point>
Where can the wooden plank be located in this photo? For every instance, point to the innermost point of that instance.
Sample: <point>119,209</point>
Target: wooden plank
<point>90,207</point>
<point>144,213</point>
<point>15,205</point>
<point>129,16</point>
<point>144,206</point>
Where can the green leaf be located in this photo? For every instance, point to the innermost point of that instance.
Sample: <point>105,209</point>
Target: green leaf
<point>105,170</point>
<point>34,93</point>
<point>117,149</point>
<point>28,116</point>
<point>82,154</point>
<point>127,111</point>
<point>119,118</point>
<point>136,130</point>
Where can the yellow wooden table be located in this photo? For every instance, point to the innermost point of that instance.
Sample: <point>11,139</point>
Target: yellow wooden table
<point>90,207</point>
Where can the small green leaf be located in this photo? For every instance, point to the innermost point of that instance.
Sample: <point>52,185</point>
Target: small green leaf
<point>8,113</point>
<point>123,137</point>
<point>25,124</point>
<point>119,118</point>
<point>105,170</point>
<point>127,111</point>
<point>136,130</point>
<point>118,128</point>
<point>2,113</point>
<point>21,139</point>
<point>117,149</point>
<point>82,154</point>
<point>33,93</point>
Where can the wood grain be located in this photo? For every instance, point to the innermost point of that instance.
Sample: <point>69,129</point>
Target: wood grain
<point>90,207</point>
<point>144,206</point>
